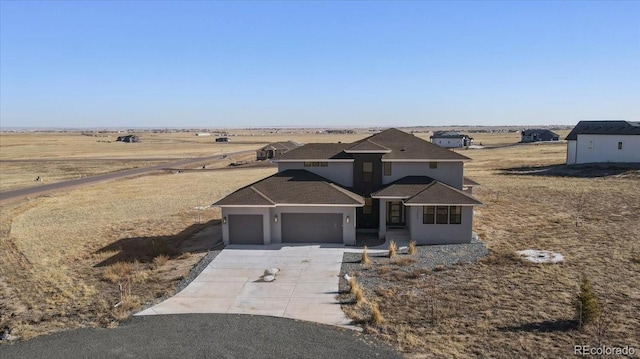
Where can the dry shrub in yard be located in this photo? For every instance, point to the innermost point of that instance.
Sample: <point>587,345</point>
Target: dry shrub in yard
<point>393,249</point>
<point>357,293</point>
<point>412,248</point>
<point>403,261</point>
<point>376,316</point>
<point>352,283</point>
<point>160,260</point>
<point>365,257</point>
<point>586,304</point>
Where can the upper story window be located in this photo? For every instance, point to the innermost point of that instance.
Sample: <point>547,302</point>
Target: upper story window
<point>619,145</point>
<point>433,164</point>
<point>367,171</point>
<point>316,164</point>
<point>387,168</point>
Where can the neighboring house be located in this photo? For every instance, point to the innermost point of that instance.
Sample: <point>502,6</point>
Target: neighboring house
<point>604,141</point>
<point>274,150</point>
<point>222,139</point>
<point>327,192</point>
<point>128,138</point>
<point>451,139</point>
<point>203,134</point>
<point>537,135</point>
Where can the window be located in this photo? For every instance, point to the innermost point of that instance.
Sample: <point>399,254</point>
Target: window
<point>442,215</point>
<point>428,214</point>
<point>455,215</point>
<point>368,206</point>
<point>619,145</point>
<point>367,171</point>
<point>433,164</point>
<point>308,164</point>
<point>387,168</point>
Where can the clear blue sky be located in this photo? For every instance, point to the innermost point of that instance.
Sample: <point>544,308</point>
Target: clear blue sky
<point>240,64</point>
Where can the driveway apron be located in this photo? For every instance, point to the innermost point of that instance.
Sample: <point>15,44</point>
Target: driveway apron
<point>305,286</point>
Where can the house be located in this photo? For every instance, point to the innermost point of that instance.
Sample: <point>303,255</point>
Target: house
<point>274,150</point>
<point>222,139</point>
<point>128,138</point>
<point>451,139</point>
<point>328,192</point>
<point>200,134</point>
<point>538,134</point>
<point>604,141</point>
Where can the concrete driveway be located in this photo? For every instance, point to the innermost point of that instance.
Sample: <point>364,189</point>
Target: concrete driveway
<point>305,288</point>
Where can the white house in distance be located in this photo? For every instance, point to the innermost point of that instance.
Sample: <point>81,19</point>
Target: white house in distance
<point>451,139</point>
<point>327,192</point>
<point>604,141</point>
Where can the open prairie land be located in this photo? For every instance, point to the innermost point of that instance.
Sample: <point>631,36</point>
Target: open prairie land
<point>63,256</point>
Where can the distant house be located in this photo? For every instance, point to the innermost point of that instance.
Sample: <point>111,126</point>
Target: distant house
<point>604,141</point>
<point>451,139</point>
<point>537,135</point>
<point>223,139</point>
<point>274,150</point>
<point>128,138</point>
<point>203,134</point>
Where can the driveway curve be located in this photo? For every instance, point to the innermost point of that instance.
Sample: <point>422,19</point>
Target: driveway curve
<point>203,336</point>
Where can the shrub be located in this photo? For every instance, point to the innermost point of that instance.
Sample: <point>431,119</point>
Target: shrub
<point>412,247</point>
<point>117,272</point>
<point>393,249</point>
<point>160,260</point>
<point>376,316</point>
<point>352,284</point>
<point>586,304</point>
<point>365,257</point>
<point>358,294</point>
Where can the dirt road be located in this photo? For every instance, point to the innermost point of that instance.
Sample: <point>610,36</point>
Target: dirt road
<point>46,188</point>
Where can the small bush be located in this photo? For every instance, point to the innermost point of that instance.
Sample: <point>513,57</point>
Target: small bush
<point>412,247</point>
<point>352,284</point>
<point>376,316</point>
<point>160,260</point>
<point>438,268</point>
<point>403,261</point>
<point>393,249</point>
<point>357,293</point>
<point>117,272</point>
<point>365,257</point>
<point>586,304</point>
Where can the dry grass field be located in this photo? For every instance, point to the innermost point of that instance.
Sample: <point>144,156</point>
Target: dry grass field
<point>503,307</point>
<point>61,255</point>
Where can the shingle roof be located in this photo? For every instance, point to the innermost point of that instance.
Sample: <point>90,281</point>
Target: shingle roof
<point>604,128</point>
<point>423,190</point>
<point>466,181</point>
<point>292,187</point>
<point>366,145</point>
<point>287,145</point>
<point>403,146</point>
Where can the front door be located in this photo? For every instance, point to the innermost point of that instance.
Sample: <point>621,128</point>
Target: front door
<point>395,214</point>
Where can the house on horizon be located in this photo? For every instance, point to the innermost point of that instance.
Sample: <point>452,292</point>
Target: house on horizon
<point>537,135</point>
<point>274,150</point>
<point>128,139</point>
<point>391,182</point>
<point>604,141</point>
<point>451,139</point>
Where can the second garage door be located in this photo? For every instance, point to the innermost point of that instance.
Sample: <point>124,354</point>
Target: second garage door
<point>312,228</point>
<point>245,229</point>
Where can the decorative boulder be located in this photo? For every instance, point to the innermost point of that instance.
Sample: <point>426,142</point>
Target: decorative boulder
<point>269,278</point>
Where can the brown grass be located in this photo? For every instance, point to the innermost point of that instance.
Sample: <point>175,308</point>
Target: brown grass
<point>51,248</point>
<point>412,248</point>
<point>393,249</point>
<point>376,316</point>
<point>365,256</point>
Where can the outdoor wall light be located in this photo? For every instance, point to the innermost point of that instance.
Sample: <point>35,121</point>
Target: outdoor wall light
<point>275,218</point>
<point>224,220</point>
<point>348,219</point>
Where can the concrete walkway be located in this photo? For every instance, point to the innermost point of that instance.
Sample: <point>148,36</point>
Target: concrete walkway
<point>304,289</point>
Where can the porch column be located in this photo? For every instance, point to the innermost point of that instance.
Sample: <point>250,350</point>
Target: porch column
<point>382,225</point>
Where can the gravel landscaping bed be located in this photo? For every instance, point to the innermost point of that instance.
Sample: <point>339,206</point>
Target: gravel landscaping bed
<point>426,259</point>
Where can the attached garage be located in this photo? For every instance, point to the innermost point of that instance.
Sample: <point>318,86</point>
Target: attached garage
<point>245,229</point>
<point>312,228</point>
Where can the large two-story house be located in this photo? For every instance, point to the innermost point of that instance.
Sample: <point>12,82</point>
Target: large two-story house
<point>328,192</point>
